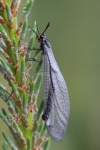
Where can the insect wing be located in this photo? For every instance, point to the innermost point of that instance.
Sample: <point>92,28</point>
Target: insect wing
<point>46,79</point>
<point>59,114</point>
<point>59,100</point>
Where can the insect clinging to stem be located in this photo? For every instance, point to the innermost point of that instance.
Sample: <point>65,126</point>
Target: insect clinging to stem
<point>55,93</point>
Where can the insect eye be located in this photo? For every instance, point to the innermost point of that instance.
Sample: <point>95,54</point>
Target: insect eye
<point>38,39</point>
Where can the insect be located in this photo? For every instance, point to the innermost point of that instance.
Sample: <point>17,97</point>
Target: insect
<point>55,93</point>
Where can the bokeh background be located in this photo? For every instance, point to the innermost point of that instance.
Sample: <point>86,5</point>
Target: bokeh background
<point>75,38</point>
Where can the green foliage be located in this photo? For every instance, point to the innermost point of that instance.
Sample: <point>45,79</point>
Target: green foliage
<point>21,95</point>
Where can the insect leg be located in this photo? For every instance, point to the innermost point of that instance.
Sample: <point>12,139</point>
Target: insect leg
<point>34,49</point>
<point>33,59</point>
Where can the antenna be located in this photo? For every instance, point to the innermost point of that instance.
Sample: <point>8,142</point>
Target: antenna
<point>37,29</point>
<point>46,28</point>
<point>33,31</point>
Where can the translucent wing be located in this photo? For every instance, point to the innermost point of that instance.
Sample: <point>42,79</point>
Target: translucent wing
<point>57,99</point>
<point>59,114</point>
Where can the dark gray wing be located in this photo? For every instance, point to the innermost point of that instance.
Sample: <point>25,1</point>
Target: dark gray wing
<point>57,118</point>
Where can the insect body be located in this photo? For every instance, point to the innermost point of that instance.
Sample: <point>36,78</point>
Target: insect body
<point>55,93</point>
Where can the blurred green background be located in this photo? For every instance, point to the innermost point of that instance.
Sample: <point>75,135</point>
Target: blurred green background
<point>75,38</point>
